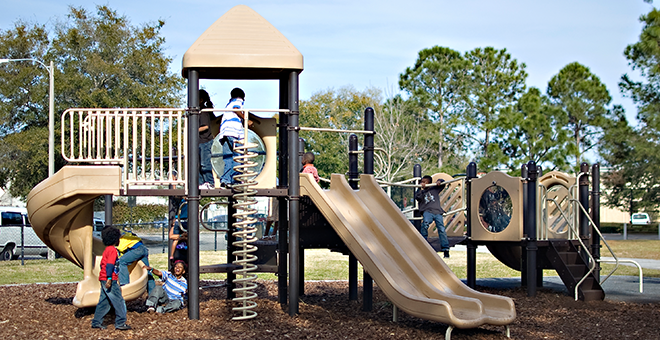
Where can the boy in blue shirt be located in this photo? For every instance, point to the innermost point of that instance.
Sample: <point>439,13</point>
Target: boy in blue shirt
<point>170,296</point>
<point>110,294</point>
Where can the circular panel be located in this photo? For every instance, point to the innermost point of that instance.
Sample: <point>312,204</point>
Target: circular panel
<point>219,165</point>
<point>495,209</point>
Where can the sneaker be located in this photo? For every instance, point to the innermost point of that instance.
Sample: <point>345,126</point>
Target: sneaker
<point>99,326</point>
<point>446,254</point>
<point>206,186</point>
<point>123,327</point>
<point>151,310</point>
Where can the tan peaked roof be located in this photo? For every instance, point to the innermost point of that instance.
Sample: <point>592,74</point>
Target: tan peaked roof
<point>242,45</point>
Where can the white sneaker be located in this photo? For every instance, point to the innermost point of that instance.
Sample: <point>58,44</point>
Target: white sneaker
<point>206,186</point>
<point>151,310</point>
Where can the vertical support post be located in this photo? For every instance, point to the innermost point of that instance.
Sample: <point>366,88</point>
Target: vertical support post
<point>301,263</point>
<point>283,178</point>
<point>367,281</point>
<point>294,195</point>
<point>51,120</point>
<point>539,273</point>
<point>231,248</point>
<point>352,176</point>
<point>193,195</point>
<point>417,222</point>
<point>583,188</point>
<point>523,258</point>
<point>532,247</point>
<point>471,173</point>
<point>625,231</point>
<point>595,215</point>
<point>301,151</point>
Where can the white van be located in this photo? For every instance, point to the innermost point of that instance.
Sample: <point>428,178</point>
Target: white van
<point>12,219</point>
<point>640,218</point>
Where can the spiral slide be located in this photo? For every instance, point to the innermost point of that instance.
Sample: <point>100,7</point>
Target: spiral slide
<point>401,262</point>
<point>61,212</point>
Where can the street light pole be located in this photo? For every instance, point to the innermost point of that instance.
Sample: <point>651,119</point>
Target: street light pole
<point>51,110</point>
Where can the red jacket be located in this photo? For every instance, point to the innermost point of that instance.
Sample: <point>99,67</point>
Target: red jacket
<point>108,262</point>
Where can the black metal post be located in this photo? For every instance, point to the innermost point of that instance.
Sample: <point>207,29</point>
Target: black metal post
<point>301,151</point>
<point>471,173</point>
<point>523,258</point>
<point>539,273</point>
<point>532,247</point>
<point>294,196</point>
<point>301,262</point>
<point>231,248</point>
<point>352,178</point>
<point>417,215</point>
<point>595,215</point>
<point>583,189</point>
<point>367,281</point>
<point>283,177</point>
<point>193,195</point>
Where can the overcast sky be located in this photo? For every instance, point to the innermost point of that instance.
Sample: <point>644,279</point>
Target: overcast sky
<point>369,43</point>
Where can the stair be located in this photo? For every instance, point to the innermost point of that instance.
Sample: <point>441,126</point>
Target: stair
<point>566,259</point>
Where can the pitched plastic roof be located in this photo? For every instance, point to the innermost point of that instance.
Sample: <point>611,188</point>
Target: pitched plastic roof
<point>242,45</point>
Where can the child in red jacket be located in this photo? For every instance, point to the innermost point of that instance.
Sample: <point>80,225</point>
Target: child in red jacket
<point>110,292</point>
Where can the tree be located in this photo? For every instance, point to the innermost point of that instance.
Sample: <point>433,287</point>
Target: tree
<point>402,140</point>
<point>632,152</point>
<point>534,130</point>
<point>583,99</point>
<point>496,81</point>
<point>436,83</point>
<point>336,109</point>
<point>101,61</point>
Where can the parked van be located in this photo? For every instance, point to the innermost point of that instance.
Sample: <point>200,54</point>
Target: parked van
<point>640,218</point>
<point>12,220</point>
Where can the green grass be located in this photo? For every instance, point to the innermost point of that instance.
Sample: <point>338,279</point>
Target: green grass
<point>321,264</point>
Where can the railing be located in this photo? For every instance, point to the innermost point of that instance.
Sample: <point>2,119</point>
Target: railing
<point>573,207</point>
<point>149,143</point>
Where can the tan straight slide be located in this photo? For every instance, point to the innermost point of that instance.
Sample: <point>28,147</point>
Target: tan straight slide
<point>403,264</point>
<point>61,211</point>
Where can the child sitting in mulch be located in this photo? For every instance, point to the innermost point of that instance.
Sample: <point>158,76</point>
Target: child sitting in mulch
<point>171,295</point>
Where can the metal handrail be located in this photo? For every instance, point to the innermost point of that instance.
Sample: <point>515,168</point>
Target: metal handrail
<point>592,262</point>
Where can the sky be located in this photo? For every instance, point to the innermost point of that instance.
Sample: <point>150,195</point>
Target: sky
<point>369,43</point>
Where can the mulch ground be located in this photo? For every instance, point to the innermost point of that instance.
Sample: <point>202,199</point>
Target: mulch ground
<point>45,312</point>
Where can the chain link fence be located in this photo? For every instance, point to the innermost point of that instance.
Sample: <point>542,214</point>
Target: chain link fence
<point>19,241</point>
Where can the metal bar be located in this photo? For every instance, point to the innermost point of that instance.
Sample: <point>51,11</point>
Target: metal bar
<point>193,195</point>
<point>294,195</point>
<point>363,132</point>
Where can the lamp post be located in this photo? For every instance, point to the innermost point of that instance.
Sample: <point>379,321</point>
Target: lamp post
<point>51,114</point>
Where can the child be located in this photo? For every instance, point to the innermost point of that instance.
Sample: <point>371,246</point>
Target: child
<point>431,208</point>
<point>205,142</point>
<point>231,130</point>
<point>132,249</point>
<point>110,292</point>
<point>179,235</point>
<point>308,166</point>
<point>170,296</point>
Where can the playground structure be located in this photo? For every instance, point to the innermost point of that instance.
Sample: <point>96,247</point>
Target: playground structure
<point>153,152</point>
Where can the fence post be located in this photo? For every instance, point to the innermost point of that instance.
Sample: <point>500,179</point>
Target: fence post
<point>625,231</point>
<point>22,244</point>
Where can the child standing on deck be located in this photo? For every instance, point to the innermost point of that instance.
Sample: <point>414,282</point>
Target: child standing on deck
<point>110,294</point>
<point>308,166</point>
<point>431,208</point>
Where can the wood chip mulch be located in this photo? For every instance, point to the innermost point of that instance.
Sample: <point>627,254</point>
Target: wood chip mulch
<point>44,311</point>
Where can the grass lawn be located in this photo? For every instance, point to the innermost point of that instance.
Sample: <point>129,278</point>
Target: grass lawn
<point>321,264</point>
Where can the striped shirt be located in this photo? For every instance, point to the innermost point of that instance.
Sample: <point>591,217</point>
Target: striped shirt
<point>175,288</point>
<point>231,125</point>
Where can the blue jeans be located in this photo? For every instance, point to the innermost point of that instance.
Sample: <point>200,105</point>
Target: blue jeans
<point>158,299</point>
<point>205,169</point>
<point>228,157</point>
<point>135,254</point>
<point>428,218</point>
<point>107,298</point>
